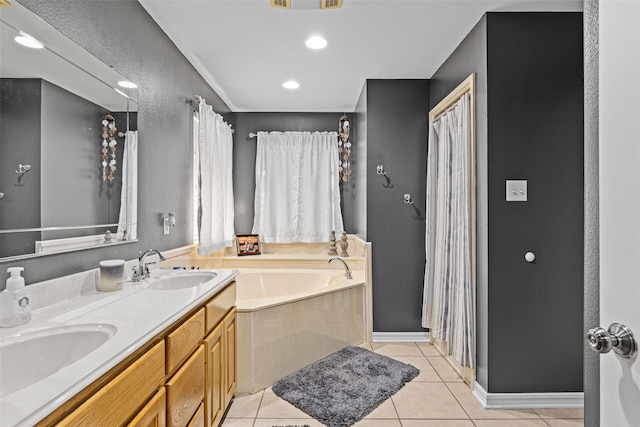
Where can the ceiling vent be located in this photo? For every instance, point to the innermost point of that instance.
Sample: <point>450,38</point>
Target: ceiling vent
<point>307,4</point>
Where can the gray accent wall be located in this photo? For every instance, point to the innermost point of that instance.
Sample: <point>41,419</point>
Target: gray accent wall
<point>70,144</point>
<point>244,153</point>
<point>531,102</point>
<point>19,143</point>
<point>395,127</point>
<point>123,35</point>
<point>471,57</point>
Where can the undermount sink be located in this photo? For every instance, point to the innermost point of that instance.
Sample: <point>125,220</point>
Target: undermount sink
<point>28,358</point>
<point>180,281</point>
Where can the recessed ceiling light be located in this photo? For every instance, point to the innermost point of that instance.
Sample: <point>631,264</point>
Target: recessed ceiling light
<point>291,84</point>
<point>316,42</point>
<point>26,40</point>
<point>127,84</point>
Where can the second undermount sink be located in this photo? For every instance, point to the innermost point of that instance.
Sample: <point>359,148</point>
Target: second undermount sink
<point>178,281</point>
<point>28,358</point>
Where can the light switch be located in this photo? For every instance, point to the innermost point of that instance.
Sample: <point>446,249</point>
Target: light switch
<point>517,190</point>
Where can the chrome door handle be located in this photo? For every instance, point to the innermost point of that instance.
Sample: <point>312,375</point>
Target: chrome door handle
<point>618,338</point>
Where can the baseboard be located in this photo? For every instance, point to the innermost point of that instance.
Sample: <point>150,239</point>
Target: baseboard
<point>400,337</point>
<point>527,400</point>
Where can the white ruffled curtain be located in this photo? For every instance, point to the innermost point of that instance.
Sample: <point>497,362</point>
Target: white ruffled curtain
<point>216,181</point>
<point>447,308</point>
<point>128,219</point>
<point>297,196</point>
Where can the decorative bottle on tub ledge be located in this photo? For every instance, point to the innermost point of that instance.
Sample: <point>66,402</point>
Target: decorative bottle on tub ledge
<point>344,245</point>
<point>333,250</point>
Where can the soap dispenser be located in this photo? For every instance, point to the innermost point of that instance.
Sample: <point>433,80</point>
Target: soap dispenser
<point>15,300</point>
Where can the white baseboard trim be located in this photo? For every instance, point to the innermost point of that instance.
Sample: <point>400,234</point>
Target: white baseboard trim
<point>527,400</point>
<point>400,337</point>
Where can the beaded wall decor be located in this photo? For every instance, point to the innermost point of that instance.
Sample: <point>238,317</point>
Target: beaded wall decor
<point>344,149</point>
<point>108,144</point>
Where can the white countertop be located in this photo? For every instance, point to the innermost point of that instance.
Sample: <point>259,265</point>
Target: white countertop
<point>138,313</point>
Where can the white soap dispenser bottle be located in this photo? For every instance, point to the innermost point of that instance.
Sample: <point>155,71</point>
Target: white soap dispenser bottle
<point>15,300</point>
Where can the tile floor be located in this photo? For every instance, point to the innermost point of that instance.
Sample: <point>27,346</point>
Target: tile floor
<point>436,398</point>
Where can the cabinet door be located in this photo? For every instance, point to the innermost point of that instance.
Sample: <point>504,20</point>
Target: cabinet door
<point>154,413</point>
<point>185,390</point>
<point>230,344</point>
<point>214,387</point>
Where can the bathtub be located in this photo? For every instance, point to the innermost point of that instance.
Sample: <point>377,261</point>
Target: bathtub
<point>290,318</point>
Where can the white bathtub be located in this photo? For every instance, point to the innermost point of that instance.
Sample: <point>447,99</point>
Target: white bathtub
<point>290,318</point>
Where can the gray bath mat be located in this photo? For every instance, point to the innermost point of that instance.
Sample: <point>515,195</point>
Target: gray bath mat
<point>345,386</point>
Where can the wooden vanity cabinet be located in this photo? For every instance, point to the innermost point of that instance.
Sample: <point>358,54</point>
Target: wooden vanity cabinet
<point>122,397</point>
<point>184,377</point>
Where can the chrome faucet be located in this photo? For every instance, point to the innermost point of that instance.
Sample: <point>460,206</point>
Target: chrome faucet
<point>347,271</point>
<point>141,271</point>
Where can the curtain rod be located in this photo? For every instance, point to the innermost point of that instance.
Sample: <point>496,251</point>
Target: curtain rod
<point>254,134</point>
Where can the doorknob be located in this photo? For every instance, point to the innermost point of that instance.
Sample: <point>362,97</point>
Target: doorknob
<point>618,338</point>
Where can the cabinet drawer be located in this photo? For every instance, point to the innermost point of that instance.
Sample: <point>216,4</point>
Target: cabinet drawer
<point>220,305</point>
<point>117,402</point>
<point>154,413</point>
<point>198,418</point>
<point>182,341</point>
<point>185,390</point>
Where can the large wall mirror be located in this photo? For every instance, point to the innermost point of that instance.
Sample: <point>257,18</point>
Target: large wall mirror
<point>58,107</point>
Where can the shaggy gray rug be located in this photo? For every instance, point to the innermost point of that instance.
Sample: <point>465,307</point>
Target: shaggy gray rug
<point>345,386</point>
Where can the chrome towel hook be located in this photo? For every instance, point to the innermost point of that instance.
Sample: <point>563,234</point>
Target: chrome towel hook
<point>23,168</point>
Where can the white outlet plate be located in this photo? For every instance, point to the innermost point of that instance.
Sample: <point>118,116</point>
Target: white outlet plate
<point>517,190</point>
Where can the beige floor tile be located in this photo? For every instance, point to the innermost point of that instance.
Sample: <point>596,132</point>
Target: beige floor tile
<point>427,373</point>
<point>561,413</point>
<point>510,423</point>
<point>428,349</point>
<point>237,422</point>
<point>427,400</point>
<point>396,348</point>
<point>443,369</point>
<point>462,392</point>
<point>557,422</point>
<point>273,422</point>
<point>274,407</point>
<point>378,423</point>
<point>386,410</point>
<point>245,406</point>
<point>437,423</point>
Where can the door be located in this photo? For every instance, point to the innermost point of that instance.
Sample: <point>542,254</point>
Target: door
<point>619,145</point>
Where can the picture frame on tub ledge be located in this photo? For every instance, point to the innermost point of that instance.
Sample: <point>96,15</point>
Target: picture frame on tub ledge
<point>247,244</point>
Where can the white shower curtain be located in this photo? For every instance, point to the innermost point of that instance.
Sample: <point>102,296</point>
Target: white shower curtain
<point>128,219</point>
<point>448,295</point>
<point>297,196</point>
<point>216,181</point>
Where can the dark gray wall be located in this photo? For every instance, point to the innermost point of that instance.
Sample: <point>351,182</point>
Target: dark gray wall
<point>591,219</point>
<point>121,34</point>
<point>71,145</point>
<point>396,137</point>
<point>244,153</point>
<point>532,105</point>
<point>471,57</point>
<point>536,98</point>
<point>19,143</point>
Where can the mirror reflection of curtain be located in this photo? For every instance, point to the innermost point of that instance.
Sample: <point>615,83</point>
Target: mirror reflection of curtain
<point>127,222</point>
<point>216,181</point>
<point>448,295</point>
<point>297,196</point>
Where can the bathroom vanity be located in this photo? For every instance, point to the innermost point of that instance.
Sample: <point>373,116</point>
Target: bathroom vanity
<point>169,356</point>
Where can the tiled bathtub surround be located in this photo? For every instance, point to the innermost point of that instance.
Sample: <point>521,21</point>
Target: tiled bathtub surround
<point>277,340</point>
<point>436,398</point>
